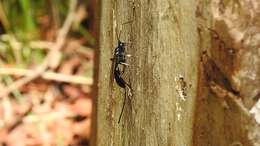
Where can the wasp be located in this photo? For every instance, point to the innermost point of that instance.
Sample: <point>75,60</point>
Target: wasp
<point>119,59</point>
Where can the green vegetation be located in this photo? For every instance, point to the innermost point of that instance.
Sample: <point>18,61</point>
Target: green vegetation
<point>24,21</point>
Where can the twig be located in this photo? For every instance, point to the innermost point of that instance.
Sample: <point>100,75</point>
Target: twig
<point>11,125</point>
<point>52,55</point>
<point>25,80</point>
<point>39,44</point>
<point>45,117</point>
<point>48,75</point>
<point>35,44</point>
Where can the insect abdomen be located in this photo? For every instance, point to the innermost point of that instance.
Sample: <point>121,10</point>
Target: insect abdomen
<point>119,80</point>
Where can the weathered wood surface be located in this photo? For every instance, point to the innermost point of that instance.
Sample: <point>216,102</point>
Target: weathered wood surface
<point>163,73</point>
<point>228,77</point>
<point>178,98</point>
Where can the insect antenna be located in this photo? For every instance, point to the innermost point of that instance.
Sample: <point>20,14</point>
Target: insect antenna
<point>118,35</point>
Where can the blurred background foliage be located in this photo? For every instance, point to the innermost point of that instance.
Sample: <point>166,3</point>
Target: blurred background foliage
<point>58,99</point>
<point>27,20</point>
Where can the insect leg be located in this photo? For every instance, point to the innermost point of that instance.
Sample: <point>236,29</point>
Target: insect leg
<point>124,64</point>
<point>130,90</point>
<point>122,110</point>
<point>128,55</point>
<point>124,67</point>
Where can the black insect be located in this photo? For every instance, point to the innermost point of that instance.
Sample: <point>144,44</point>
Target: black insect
<point>119,59</point>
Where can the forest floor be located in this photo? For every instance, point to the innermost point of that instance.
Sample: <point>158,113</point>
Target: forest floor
<point>45,83</point>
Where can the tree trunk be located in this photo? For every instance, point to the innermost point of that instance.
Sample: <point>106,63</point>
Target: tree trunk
<point>229,75</point>
<point>181,96</point>
<point>163,42</point>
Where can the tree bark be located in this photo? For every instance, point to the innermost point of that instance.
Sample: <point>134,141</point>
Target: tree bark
<point>189,82</point>
<point>226,88</point>
<point>163,41</point>
<point>182,60</point>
